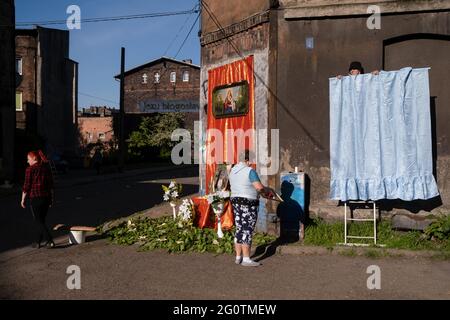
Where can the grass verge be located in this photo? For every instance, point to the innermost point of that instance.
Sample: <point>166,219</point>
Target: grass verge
<point>176,236</point>
<point>319,233</point>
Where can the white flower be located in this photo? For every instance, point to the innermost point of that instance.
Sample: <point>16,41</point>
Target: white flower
<point>186,210</point>
<point>166,197</point>
<point>130,224</point>
<point>210,198</point>
<point>175,194</point>
<point>172,184</point>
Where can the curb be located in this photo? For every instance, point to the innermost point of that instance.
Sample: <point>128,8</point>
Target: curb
<point>370,252</point>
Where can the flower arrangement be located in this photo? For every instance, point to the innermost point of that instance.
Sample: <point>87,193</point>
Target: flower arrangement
<point>172,192</point>
<point>217,202</point>
<point>217,199</point>
<point>186,211</point>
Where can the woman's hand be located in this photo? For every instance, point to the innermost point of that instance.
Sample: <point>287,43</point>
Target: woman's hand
<point>269,193</point>
<point>22,203</point>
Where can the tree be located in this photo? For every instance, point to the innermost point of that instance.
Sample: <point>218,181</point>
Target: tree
<point>155,132</point>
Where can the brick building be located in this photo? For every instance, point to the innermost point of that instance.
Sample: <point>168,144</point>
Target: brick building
<point>97,125</point>
<point>298,45</point>
<point>46,98</point>
<point>7,84</point>
<point>161,85</point>
<point>96,129</point>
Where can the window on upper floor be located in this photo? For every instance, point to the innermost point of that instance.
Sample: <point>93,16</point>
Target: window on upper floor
<point>173,77</point>
<point>185,76</point>
<point>19,65</point>
<point>144,78</point>
<point>19,102</point>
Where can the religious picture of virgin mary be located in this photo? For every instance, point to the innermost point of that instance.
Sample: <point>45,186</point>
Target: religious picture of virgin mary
<point>230,100</point>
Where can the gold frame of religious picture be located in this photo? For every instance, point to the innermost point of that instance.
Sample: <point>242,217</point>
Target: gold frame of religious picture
<point>231,100</point>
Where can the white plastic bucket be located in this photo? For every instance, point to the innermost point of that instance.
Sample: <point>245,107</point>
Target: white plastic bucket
<point>77,237</point>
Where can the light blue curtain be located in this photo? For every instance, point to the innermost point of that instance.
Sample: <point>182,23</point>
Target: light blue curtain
<point>380,136</point>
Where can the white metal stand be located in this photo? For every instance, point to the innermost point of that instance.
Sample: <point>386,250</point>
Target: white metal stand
<point>373,219</point>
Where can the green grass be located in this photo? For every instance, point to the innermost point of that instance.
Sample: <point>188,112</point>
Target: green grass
<point>320,233</point>
<point>176,236</point>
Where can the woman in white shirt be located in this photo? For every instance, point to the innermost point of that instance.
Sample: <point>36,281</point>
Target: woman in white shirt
<point>245,186</point>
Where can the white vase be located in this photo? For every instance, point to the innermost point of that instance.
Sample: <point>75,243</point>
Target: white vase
<point>174,205</point>
<point>219,229</point>
<point>218,210</point>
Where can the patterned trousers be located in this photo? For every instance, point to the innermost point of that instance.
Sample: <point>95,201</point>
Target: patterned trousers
<point>245,215</point>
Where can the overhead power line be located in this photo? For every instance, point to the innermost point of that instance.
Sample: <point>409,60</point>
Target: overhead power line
<point>187,36</point>
<point>259,77</point>
<point>116,18</point>
<point>98,98</point>
<point>179,32</point>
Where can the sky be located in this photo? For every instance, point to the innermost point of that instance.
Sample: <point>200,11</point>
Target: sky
<point>96,46</point>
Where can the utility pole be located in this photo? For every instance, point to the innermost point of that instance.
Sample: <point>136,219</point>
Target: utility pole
<point>122,112</point>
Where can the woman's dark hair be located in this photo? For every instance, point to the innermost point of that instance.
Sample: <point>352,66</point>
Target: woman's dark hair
<point>356,65</point>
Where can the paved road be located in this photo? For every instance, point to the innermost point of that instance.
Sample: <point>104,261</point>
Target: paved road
<point>119,272</point>
<point>91,203</point>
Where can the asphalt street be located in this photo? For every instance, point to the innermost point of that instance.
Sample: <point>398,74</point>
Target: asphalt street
<point>110,271</point>
<point>90,202</point>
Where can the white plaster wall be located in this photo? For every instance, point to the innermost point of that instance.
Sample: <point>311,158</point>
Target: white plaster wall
<point>261,70</point>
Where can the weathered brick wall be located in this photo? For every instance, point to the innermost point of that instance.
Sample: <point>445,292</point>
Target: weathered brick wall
<point>26,47</point>
<point>230,12</point>
<point>137,91</point>
<point>95,126</point>
<point>302,89</point>
<point>7,84</point>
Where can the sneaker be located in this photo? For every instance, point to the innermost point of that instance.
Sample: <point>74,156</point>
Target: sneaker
<point>251,263</point>
<point>50,245</point>
<point>238,261</point>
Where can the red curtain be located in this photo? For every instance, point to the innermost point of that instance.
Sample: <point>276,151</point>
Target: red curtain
<point>224,75</point>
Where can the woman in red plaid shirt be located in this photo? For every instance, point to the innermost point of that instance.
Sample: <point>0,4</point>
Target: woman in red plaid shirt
<point>38,187</point>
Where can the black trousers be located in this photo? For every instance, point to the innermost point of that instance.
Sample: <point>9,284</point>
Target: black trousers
<point>39,209</point>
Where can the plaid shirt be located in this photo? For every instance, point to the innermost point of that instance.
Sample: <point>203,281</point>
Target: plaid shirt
<point>38,181</point>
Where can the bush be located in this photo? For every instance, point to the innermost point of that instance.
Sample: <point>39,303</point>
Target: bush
<point>440,229</point>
